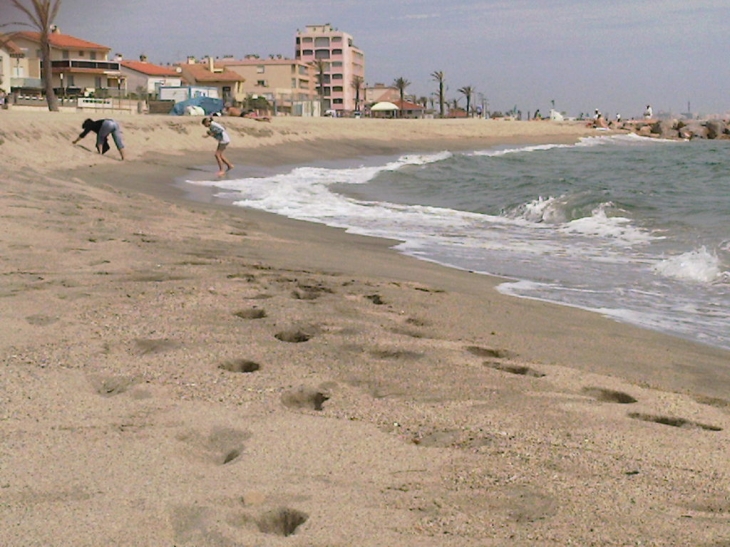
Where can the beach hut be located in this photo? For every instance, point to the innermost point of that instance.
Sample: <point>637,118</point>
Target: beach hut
<point>384,109</point>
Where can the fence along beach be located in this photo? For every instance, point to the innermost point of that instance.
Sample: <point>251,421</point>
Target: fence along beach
<point>191,373</point>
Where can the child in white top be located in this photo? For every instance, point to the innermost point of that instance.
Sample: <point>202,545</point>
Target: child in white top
<point>219,133</point>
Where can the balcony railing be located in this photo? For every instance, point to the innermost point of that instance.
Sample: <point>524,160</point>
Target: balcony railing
<point>68,65</point>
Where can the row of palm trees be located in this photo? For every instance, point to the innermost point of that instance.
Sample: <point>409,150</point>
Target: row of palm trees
<point>401,84</point>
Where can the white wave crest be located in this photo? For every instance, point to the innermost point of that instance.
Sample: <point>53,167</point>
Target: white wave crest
<point>698,265</point>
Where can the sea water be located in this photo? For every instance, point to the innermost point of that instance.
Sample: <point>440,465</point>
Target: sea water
<point>633,228</point>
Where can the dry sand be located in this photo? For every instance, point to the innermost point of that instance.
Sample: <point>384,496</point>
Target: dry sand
<point>191,374</point>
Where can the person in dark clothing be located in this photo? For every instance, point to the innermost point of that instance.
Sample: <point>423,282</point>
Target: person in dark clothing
<point>103,128</point>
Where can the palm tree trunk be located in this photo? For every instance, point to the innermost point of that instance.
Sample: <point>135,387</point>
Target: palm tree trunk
<point>51,98</point>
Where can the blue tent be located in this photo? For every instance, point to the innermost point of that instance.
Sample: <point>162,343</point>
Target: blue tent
<point>209,105</point>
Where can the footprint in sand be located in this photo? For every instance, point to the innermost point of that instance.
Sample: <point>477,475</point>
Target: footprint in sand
<point>250,313</point>
<point>305,398</point>
<point>281,522</point>
<point>609,395</point>
<point>490,352</point>
<point>519,370</point>
<point>293,336</point>
<point>221,446</point>
<point>672,421</point>
<point>240,365</point>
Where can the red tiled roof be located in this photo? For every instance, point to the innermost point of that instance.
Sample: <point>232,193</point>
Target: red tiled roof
<point>11,47</point>
<point>407,105</point>
<point>150,69</point>
<point>199,73</point>
<point>63,41</point>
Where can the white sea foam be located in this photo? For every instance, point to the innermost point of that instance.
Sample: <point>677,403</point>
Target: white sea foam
<point>619,229</point>
<point>698,265</point>
<point>587,245</point>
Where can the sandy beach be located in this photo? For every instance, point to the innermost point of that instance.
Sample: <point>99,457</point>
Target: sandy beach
<point>180,372</point>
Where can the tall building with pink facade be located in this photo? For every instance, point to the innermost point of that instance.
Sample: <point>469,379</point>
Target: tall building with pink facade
<point>343,65</point>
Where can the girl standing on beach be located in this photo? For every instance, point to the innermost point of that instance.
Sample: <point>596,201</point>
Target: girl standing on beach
<point>218,132</point>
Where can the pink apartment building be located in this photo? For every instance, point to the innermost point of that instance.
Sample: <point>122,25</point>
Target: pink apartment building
<point>343,65</point>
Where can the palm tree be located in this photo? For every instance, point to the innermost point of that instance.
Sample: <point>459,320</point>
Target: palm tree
<point>438,76</point>
<point>467,91</point>
<point>42,13</point>
<point>401,84</point>
<point>321,67</point>
<point>357,82</point>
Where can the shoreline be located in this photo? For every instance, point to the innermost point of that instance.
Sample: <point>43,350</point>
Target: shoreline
<point>190,373</point>
<point>168,188</point>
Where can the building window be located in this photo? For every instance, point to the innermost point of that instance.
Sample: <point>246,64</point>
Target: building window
<point>97,82</point>
<point>262,83</point>
<point>322,54</point>
<point>70,82</point>
<point>337,101</point>
<point>337,76</point>
<point>307,40</point>
<point>336,52</point>
<point>260,69</point>
<point>336,39</point>
<point>92,55</point>
<point>64,54</point>
<point>337,89</point>
<point>307,52</point>
<point>322,42</point>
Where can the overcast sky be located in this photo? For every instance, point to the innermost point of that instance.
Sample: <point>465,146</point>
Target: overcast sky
<point>614,55</point>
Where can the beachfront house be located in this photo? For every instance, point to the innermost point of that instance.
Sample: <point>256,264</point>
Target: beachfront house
<point>13,63</point>
<point>145,79</point>
<point>79,67</point>
<point>287,85</point>
<point>210,73</point>
<point>408,109</point>
<point>340,61</point>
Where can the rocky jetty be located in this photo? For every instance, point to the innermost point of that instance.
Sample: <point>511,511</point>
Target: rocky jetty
<point>678,129</point>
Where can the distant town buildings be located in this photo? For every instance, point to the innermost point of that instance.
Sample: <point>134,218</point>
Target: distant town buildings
<point>145,79</point>
<point>327,73</point>
<point>287,84</point>
<point>339,65</point>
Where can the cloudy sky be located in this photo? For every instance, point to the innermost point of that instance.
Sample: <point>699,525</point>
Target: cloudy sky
<point>615,55</point>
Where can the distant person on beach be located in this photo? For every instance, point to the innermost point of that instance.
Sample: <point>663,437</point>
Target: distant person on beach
<point>252,114</point>
<point>219,133</point>
<point>103,128</point>
<point>648,113</point>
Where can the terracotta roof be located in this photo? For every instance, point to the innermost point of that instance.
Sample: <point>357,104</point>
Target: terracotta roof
<point>150,69</point>
<point>199,73</point>
<point>11,47</point>
<point>408,105</point>
<point>63,41</point>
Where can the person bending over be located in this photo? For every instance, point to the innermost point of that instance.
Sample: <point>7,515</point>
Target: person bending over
<point>103,128</point>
